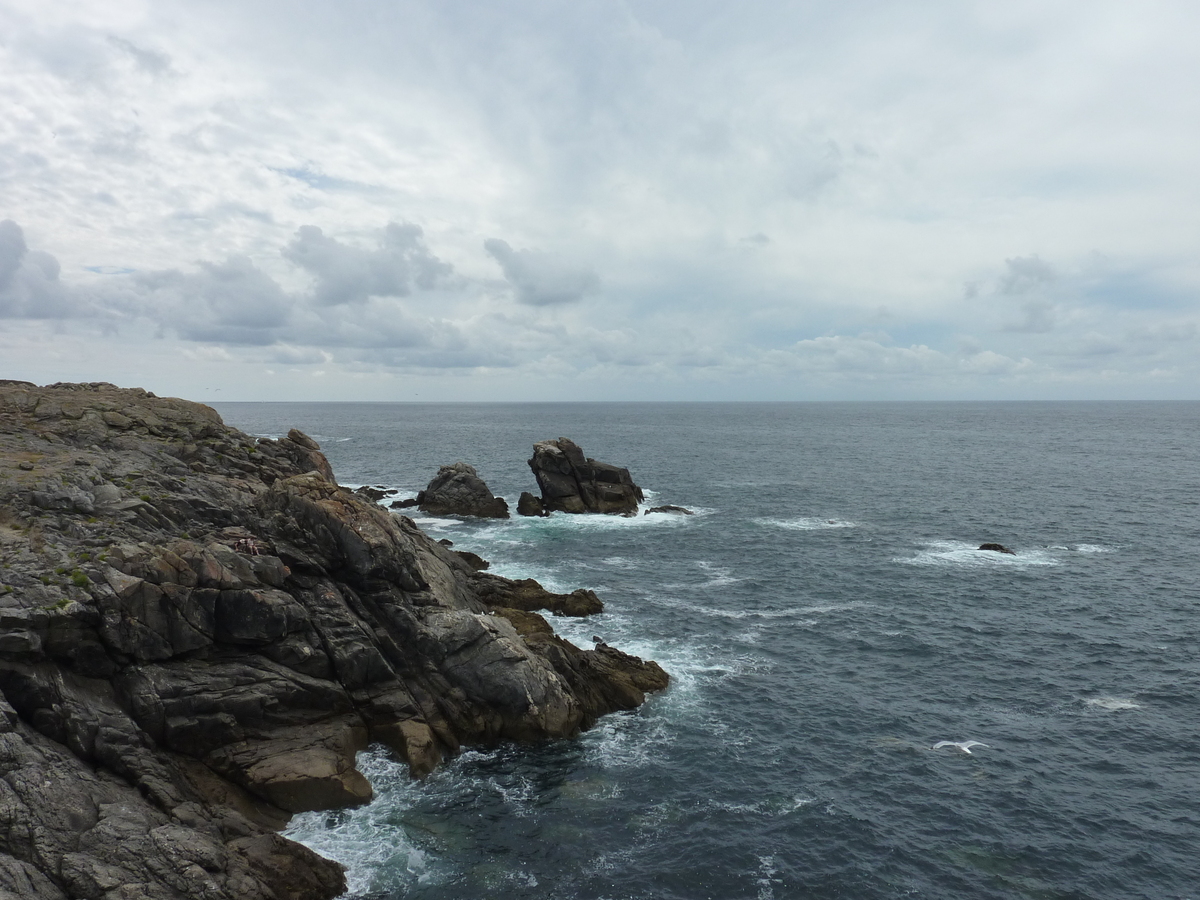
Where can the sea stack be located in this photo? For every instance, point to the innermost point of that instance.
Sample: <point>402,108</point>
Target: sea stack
<point>457,490</point>
<point>573,483</point>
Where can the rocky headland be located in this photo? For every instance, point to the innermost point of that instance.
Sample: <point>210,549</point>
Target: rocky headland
<point>198,631</point>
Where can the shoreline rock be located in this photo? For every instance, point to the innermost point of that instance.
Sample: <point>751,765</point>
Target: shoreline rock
<point>198,631</point>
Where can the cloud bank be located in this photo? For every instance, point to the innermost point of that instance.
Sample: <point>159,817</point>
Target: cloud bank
<point>660,200</point>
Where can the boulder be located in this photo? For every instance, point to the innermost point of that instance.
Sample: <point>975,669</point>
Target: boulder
<point>457,490</point>
<point>573,483</point>
<point>530,505</point>
<point>997,548</point>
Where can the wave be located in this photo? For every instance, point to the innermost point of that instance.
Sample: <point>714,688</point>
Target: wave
<point>806,523</point>
<point>1112,703</point>
<point>964,555</point>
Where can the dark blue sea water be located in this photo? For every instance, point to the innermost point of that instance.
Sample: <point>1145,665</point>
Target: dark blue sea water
<point>826,621</point>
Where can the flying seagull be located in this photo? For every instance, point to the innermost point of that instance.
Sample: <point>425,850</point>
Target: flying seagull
<point>964,746</point>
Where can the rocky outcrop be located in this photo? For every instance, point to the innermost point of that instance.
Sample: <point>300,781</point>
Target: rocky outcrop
<point>673,510</point>
<point>198,631</point>
<point>457,490</point>
<point>529,505</point>
<point>997,548</point>
<point>572,483</point>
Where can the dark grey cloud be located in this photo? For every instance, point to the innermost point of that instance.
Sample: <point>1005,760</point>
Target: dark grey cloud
<point>541,279</point>
<point>344,273</point>
<point>29,282</point>
<point>233,302</point>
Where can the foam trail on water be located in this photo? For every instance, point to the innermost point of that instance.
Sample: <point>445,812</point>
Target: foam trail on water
<point>370,841</point>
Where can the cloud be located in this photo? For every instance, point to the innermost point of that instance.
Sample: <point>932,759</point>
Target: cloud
<point>347,274</point>
<point>541,279</point>
<point>232,302</point>
<point>1025,274</point>
<point>29,282</point>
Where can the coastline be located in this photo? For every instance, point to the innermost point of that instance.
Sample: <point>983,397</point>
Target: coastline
<point>198,631</point>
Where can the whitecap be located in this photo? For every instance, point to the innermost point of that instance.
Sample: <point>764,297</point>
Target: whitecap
<point>965,555</point>
<point>1091,548</point>
<point>807,523</point>
<point>1112,703</point>
<point>369,840</point>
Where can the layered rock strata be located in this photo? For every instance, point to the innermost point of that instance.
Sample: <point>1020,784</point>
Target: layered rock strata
<point>571,482</point>
<point>198,631</point>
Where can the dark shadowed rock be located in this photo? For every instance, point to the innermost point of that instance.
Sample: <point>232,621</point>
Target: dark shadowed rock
<point>997,548</point>
<point>198,631</point>
<point>674,510</point>
<point>457,490</point>
<point>529,505</point>
<point>572,483</point>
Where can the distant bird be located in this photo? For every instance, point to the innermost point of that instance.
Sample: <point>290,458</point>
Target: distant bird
<point>964,746</point>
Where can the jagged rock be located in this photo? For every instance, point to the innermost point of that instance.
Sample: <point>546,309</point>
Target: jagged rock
<point>457,490</point>
<point>529,505</point>
<point>405,504</point>
<point>569,482</point>
<point>374,494</point>
<point>203,651</point>
<point>997,548</point>
<point>674,510</point>
<point>527,594</point>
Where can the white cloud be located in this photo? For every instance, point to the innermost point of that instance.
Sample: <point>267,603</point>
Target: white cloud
<point>753,182</point>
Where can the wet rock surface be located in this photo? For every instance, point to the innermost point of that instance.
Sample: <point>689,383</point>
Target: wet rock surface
<point>198,631</point>
<point>571,482</point>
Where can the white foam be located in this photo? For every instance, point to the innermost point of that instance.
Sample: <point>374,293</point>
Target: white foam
<point>1112,703</point>
<point>370,841</point>
<point>435,522</point>
<point>807,523</point>
<point>1091,548</point>
<point>965,555</point>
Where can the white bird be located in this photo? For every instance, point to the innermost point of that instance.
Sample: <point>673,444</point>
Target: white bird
<point>964,746</point>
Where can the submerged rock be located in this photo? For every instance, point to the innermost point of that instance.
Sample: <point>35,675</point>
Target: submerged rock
<point>674,510</point>
<point>457,490</point>
<point>204,652</point>
<point>997,548</point>
<point>571,482</point>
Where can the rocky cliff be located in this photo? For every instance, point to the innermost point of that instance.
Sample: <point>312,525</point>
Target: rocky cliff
<point>198,631</point>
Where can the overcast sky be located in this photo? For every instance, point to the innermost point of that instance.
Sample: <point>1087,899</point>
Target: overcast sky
<point>586,199</point>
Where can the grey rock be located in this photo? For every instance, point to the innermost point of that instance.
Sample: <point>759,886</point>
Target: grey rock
<point>571,482</point>
<point>457,490</point>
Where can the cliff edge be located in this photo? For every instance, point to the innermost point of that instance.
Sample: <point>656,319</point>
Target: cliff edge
<point>198,631</point>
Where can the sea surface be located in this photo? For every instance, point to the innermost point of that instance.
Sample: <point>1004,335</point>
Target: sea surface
<point>827,619</point>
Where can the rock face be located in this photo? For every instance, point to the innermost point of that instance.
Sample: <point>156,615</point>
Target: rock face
<point>572,483</point>
<point>199,631</point>
<point>457,490</point>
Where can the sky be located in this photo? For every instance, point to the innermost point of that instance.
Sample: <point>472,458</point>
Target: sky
<point>601,200</point>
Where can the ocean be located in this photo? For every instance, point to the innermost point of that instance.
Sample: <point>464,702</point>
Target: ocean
<point>826,619</point>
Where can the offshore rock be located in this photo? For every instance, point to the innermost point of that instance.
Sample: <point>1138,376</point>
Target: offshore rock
<point>198,632</point>
<point>529,505</point>
<point>457,490</point>
<point>572,483</point>
<point>674,510</point>
<point>997,548</point>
